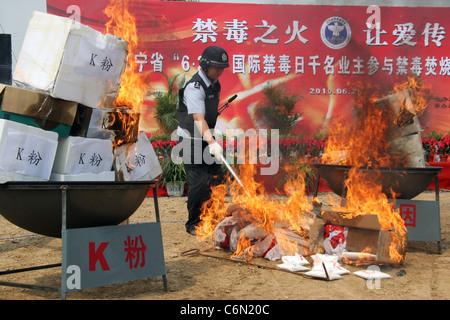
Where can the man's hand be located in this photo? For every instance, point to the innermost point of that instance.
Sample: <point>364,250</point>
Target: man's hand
<point>216,150</point>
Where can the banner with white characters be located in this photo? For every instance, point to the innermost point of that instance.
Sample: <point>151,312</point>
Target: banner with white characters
<point>322,53</point>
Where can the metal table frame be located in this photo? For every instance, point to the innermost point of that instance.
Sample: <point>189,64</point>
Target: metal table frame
<point>64,189</point>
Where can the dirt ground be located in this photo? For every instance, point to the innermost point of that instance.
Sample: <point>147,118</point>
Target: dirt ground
<point>211,275</point>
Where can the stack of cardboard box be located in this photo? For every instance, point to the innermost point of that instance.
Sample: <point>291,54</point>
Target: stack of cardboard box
<point>66,80</point>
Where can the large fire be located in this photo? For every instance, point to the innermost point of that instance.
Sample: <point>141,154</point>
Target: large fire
<point>362,144</point>
<point>366,144</point>
<point>125,118</point>
<point>258,210</point>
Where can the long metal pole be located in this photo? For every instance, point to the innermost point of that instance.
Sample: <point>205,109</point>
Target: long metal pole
<point>222,158</point>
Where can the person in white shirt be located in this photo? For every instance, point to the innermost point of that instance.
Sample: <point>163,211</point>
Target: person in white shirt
<point>197,115</point>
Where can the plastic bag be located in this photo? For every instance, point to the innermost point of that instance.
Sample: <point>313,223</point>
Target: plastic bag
<point>294,263</point>
<point>274,254</point>
<point>222,232</point>
<point>372,274</point>
<point>335,239</point>
<point>326,267</point>
<point>262,246</point>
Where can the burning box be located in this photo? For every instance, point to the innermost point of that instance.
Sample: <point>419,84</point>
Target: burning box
<point>37,109</point>
<point>26,151</point>
<point>71,61</point>
<point>120,125</point>
<point>365,241</point>
<point>137,161</point>
<point>98,124</point>
<point>124,122</point>
<point>77,155</point>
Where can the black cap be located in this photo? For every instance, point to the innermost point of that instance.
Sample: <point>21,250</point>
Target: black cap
<point>214,56</point>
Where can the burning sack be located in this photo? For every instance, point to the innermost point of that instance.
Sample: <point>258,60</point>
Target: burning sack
<point>231,229</point>
<point>222,233</point>
<point>237,229</point>
<point>404,133</point>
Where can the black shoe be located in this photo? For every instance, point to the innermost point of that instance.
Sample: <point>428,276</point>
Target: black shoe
<point>191,231</point>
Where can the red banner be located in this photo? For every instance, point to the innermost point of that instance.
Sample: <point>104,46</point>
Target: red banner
<point>320,52</point>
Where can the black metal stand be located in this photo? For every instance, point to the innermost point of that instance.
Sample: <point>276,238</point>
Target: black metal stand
<point>29,286</point>
<point>54,265</point>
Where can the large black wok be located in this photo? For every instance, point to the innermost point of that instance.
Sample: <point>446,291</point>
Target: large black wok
<point>406,183</point>
<point>37,206</point>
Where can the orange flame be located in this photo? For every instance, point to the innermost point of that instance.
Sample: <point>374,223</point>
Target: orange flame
<point>366,143</point>
<point>122,24</point>
<point>362,144</point>
<point>257,209</point>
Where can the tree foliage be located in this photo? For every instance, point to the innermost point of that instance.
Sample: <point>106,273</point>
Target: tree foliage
<point>276,111</point>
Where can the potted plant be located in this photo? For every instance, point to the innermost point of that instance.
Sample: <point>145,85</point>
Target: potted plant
<point>444,147</point>
<point>429,145</point>
<point>166,108</point>
<point>173,176</point>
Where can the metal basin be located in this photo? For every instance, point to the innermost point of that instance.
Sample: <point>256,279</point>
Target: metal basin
<point>406,183</point>
<point>37,206</point>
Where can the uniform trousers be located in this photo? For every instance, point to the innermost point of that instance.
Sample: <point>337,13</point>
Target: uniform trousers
<point>201,176</point>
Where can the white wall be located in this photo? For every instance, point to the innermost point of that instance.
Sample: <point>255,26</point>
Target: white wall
<point>14,17</point>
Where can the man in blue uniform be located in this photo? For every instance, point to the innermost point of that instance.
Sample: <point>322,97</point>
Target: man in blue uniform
<point>197,115</point>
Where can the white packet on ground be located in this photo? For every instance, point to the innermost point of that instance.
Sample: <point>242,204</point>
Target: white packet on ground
<point>295,259</point>
<point>294,263</point>
<point>328,262</point>
<point>293,267</point>
<point>322,275</point>
<point>372,274</point>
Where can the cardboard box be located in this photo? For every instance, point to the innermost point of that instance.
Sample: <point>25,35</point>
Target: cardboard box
<point>109,124</point>
<point>365,234</point>
<point>6,176</point>
<point>137,161</point>
<point>81,122</point>
<point>71,61</point>
<point>99,123</point>
<point>77,155</point>
<point>37,109</point>
<point>26,150</point>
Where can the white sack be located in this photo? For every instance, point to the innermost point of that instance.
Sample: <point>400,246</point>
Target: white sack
<point>137,161</point>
